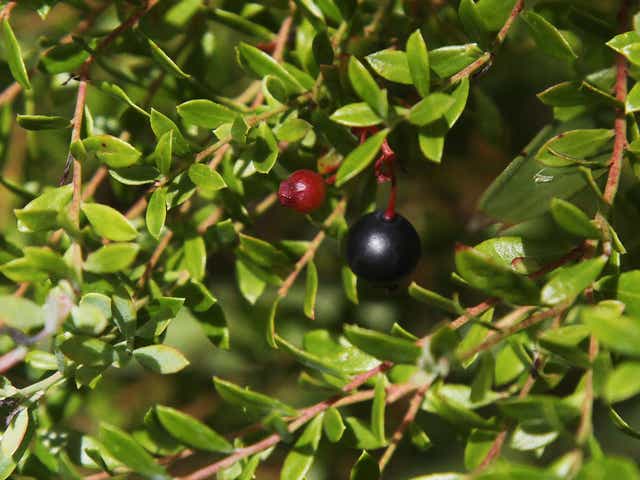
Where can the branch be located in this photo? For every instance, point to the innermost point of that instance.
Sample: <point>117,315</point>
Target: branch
<point>498,337</point>
<point>312,249</point>
<point>6,10</point>
<point>409,417</point>
<point>620,124</point>
<point>487,57</point>
<point>584,429</point>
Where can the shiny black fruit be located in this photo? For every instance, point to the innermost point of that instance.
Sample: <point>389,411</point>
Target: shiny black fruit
<point>382,251</point>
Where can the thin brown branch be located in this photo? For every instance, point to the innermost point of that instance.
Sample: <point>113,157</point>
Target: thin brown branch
<point>312,249</point>
<point>275,438</point>
<point>12,358</point>
<point>81,99</point>
<point>6,10</point>
<point>487,57</point>
<point>507,332</point>
<point>498,443</point>
<point>620,123</point>
<point>21,290</point>
<point>155,257</point>
<point>409,417</point>
<point>10,93</point>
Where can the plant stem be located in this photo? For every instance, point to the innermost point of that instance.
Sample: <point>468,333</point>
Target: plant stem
<point>620,123</point>
<point>409,417</point>
<point>312,249</point>
<point>487,57</point>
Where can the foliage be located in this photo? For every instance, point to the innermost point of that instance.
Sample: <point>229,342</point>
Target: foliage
<point>181,117</point>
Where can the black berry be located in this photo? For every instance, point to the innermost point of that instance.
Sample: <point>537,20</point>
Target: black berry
<point>303,190</point>
<point>382,250</point>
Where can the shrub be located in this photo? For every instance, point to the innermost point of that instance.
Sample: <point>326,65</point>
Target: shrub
<point>158,254</point>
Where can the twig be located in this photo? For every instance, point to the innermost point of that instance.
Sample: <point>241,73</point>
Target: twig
<point>155,257</point>
<point>12,358</point>
<point>6,10</point>
<point>81,99</point>
<point>409,417</point>
<point>487,57</point>
<point>273,439</point>
<point>496,447</point>
<point>507,332</point>
<point>620,124</point>
<point>311,250</point>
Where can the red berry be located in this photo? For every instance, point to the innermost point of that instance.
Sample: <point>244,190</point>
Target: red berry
<point>304,191</point>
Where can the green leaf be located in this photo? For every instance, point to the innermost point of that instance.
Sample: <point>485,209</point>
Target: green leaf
<point>569,282</point>
<point>125,449</point>
<point>156,211</point>
<point>42,122</point>
<point>240,23</point>
<point>164,61</point>
<point>250,401</point>
<point>15,433</point>
<point>434,299</point>
<point>310,360</point>
<point>609,467</point>
<point>300,458</point>
<point>620,333</point>
<point>88,350</point>
<point>383,346</point>
<point>293,130</point>
<point>623,382</point>
<point>548,38</point>
<point>360,158</point>
<point>624,287</point>
<point>391,65</point>
<point>41,360</point>
<point>483,273</point>
<point>472,21</point>
<point>205,178</point>
<point>117,92</point>
<point>573,147</point>
<point>262,65</point>
<point>112,151</point>
<point>430,109</point>
<point>112,258</point>
<point>572,219</point>
<point>162,155</point>
<point>40,214</point>
<point>136,175</point>
<point>446,61</point>
<point>366,468</point>
<point>356,115</point>
<point>250,283</point>
<point>483,380</point>
<point>366,87</point>
<point>632,102</point>
<point>195,257</point>
<point>349,284</point>
<point>63,58</point>
<point>161,359</point>
<point>333,425</point>
<point>478,445</point>
<point>311,291</point>
<point>89,319</point>
<point>523,190</point>
<point>271,328</point>
<point>205,113</point>
<point>262,253</point>
<point>419,438</point>
<point>532,438</point>
<point>107,222</point>
<point>418,63</point>
<point>627,44</point>
<point>161,124</point>
<point>378,408</point>
<point>14,56</point>
<point>190,431</point>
